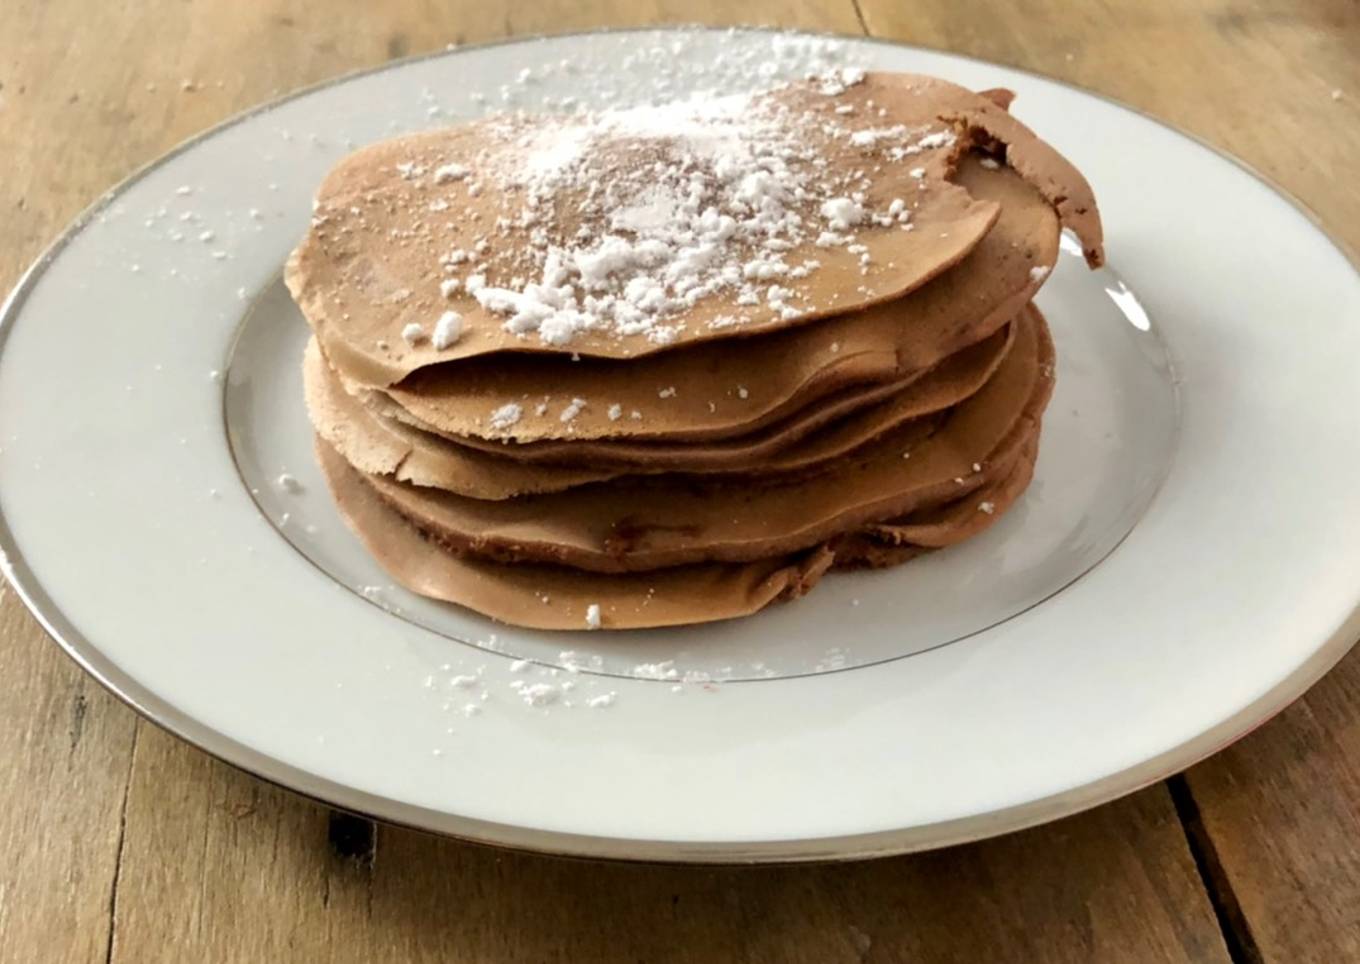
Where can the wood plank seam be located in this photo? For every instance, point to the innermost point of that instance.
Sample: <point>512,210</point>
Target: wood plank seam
<point>120,847</point>
<point>1232,921</point>
<point>859,15</point>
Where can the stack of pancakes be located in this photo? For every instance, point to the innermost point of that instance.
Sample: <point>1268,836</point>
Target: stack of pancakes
<point>668,365</point>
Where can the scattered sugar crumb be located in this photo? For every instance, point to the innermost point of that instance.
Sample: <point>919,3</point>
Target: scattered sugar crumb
<point>540,694</point>
<point>666,392</point>
<point>450,172</point>
<point>841,213</point>
<point>506,416</point>
<point>447,330</point>
<point>289,483</point>
<point>412,334</point>
<point>615,412</point>
<point>1039,272</point>
<point>603,701</point>
<point>593,616</point>
<point>987,507</point>
<point>572,410</point>
<point>662,670</point>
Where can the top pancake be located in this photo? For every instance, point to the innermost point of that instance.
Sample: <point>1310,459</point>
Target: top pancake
<point>649,523</point>
<point>621,234</point>
<point>720,389</point>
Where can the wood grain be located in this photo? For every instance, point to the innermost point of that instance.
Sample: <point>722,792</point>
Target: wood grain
<point>217,865</point>
<point>126,845</point>
<point>1281,810</point>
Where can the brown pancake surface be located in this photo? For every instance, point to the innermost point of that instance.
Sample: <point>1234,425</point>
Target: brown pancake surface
<point>733,387</point>
<point>509,191</point>
<point>555,597</point>
<point>652,523</point>
<point>903,147</point>
<point>386,446</point>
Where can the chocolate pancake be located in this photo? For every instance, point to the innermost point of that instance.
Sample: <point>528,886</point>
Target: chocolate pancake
<point>623,232</point>
<point>844,199</point>
<point>896,541</point>
<point>667,521</point>
<point>735,386</point>
<point>556,597</point>
<point>840,422</point>
<point>671,364</point>
<point>385,446</point>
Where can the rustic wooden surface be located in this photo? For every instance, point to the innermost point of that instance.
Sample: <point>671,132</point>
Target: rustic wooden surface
<point>125,845</point>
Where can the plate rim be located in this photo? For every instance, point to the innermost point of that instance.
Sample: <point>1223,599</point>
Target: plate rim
<point>160,712</point>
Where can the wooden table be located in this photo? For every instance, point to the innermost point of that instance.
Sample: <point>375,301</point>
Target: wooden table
<point>123,844</point>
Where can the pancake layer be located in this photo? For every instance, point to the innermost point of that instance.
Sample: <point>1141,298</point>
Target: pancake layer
<point>643,368</point>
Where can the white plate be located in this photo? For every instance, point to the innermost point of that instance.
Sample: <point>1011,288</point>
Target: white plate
<point>130,531</point>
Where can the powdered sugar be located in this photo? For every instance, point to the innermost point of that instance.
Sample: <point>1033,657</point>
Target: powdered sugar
<point>506,416</point>
<point>573,409</point>
<point>620,221</point>
<point>663,670</point>
<point>841,213</point>
<point>450,172</point>
<point>539,694</point>
<point>447,330</point>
